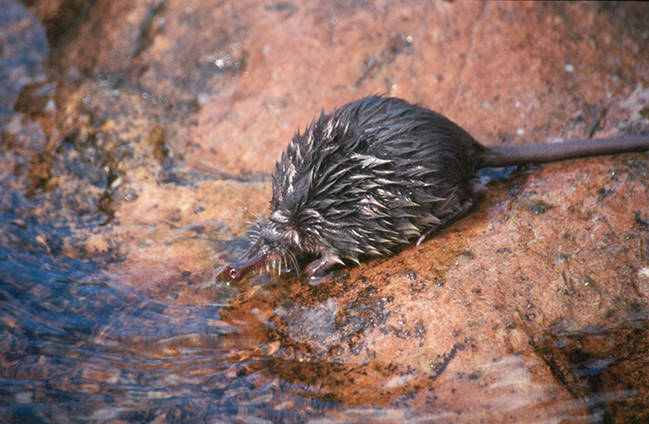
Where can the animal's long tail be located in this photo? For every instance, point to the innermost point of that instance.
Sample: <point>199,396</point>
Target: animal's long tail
<point>496,156</point>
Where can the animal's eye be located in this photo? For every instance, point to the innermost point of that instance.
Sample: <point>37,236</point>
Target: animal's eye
<point>270,233</point>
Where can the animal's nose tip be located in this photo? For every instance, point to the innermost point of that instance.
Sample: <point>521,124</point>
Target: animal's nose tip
<point>234,273</point>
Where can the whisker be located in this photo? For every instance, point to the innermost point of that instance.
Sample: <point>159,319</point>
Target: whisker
<point>294,262</point>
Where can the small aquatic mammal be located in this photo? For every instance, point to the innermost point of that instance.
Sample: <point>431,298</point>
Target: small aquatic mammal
<point>379,173</point>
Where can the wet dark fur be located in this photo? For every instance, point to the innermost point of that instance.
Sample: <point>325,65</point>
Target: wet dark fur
<point>367,178</point>
<point>370,176</point>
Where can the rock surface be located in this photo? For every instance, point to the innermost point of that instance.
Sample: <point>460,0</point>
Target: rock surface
<point>141,136</point>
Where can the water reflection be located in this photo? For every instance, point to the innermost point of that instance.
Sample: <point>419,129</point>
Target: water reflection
<point>74,348</point>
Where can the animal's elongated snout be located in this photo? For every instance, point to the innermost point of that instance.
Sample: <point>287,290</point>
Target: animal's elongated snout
<point>237,270</point>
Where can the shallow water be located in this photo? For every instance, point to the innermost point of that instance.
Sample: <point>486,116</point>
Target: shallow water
<point>73,348</point>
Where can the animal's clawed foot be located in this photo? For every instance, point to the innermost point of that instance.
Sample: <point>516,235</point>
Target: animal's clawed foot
<point>319,267</point>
